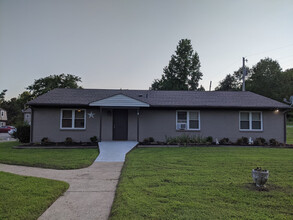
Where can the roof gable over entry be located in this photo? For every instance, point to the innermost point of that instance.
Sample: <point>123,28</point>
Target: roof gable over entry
<point>119,101</point>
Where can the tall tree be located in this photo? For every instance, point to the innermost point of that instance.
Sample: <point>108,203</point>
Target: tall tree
<point>48,83</point>
<point>2,95</point>
<point>183,71</point>
<point>266,79</point>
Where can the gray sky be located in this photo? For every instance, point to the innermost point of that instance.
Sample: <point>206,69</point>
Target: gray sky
<point>126,44</point>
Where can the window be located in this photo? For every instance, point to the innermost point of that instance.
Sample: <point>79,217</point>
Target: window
<point>2,113</point>
<point>187,120</point>
<point>250,121</point>
<point>73,119</point>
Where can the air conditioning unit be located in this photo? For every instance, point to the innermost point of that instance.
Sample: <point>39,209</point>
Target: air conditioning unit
<point>181,126</point>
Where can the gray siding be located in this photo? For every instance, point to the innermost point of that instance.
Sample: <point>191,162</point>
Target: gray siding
<point>156,124</point>
<point>46,123</point>
<point>215,123</point>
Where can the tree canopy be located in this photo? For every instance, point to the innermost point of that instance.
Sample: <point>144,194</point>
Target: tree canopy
<point>43,85</point>
<point>183,71</point>
<point>40,86</point>
<point>265,78</point>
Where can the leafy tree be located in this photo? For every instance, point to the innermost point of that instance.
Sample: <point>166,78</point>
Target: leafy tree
<point>2,95</point>
<point>233,82</point>
<point>228,84</point>
<point>183,71</point>
<point>48,83</point>
<point>266,79</point>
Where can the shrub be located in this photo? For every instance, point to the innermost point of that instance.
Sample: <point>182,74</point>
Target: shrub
<point>183,139</point>
<point>94,139</point>
<point>209,139</point>
<point>259,141</point>
<point>197,139</point>
<point>242,141</point>
<point>171,140</point>
<point>225,141</point>
<point>148,140</point>
<point>22,133</point>
<point>273,142</point>
<point>45,140</point>
<point>68,140</point>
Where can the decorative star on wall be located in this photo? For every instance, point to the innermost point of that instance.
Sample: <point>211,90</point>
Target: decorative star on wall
<point>91,115</point>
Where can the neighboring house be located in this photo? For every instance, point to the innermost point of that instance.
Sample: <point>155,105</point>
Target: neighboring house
<point>3,117</point>
<point>138,114</point>
<point>27,115</point>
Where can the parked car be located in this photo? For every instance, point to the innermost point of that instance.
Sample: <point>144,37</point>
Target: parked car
<point>5,129</point>
<point>12,131</point>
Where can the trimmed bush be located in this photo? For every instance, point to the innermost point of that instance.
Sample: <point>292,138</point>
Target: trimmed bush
<point>225,141</point>
<point>242,141</point>
<point>45,140</point>
<point>148,140</point>
<point>273,142</point>
<point>94,139</point>
<point>259,141</point>
<point>209,139</point>
<point>68,141</point>
<point>23,133</point>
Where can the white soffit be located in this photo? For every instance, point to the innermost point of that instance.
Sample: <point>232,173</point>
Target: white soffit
<point>119,101</point>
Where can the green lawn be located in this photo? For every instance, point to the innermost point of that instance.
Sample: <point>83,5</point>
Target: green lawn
<point>27,197</point>
<point>47,158</point>
<point>289,135</point>
<point>204,183</point>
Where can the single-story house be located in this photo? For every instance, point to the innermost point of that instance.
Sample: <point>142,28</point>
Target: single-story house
<point>138,114</point>
<point>3,117</point>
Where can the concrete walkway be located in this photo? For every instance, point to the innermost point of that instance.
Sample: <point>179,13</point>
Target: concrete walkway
<point>91,192</point>
<point>114,151</point>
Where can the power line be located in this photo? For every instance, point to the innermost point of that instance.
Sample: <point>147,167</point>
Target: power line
<point>254,54</point>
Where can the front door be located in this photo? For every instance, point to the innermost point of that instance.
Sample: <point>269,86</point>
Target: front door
<point>120,124</point>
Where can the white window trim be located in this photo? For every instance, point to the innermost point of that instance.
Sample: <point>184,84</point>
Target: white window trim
<point>250,121</point>
<point>72,119</point>
<point>188,129</point>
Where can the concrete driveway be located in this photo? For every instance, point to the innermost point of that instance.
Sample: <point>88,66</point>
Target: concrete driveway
<point>6,137</point>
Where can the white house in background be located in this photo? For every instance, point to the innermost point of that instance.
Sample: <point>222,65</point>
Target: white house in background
<point>27,115</point>
<point>3,117</point>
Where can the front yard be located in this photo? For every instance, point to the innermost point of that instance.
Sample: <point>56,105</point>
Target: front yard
<point>204,183</point>
<point>47,158</point>
<point>27,197</point>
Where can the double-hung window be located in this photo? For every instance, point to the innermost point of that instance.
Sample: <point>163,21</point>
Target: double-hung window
<point>73,119</point>
<point>250,121</point>
<point>187,120</point>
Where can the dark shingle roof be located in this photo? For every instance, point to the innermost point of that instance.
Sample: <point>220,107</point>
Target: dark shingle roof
<point>214,99</point>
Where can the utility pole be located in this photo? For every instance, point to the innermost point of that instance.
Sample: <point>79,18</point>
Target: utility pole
<point>243,73</point>
<point>210,85</point>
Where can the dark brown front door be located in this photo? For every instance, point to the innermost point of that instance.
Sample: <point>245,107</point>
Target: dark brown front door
<point>120,124</point>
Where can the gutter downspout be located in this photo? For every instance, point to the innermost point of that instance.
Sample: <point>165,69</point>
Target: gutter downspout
<point>32,125</point>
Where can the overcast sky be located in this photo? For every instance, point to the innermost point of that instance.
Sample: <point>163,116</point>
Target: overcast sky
<point>126,43</point>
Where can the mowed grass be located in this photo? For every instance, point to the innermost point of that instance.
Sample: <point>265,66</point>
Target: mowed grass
<point>204,183</point>
<point>27,197</point>
<point>289,135</point>
<point>47,158</point>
